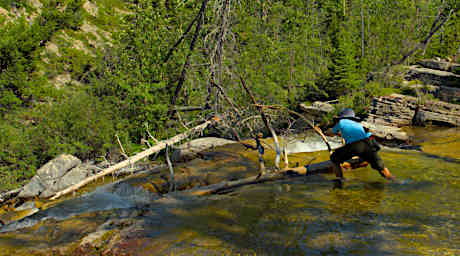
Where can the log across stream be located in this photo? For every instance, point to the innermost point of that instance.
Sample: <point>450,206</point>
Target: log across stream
<point>294,216</point>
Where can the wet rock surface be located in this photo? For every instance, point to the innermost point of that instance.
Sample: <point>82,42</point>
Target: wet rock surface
<point>193,148</point>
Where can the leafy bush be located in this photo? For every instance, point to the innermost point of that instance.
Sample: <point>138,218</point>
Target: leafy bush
<point>78,124</point>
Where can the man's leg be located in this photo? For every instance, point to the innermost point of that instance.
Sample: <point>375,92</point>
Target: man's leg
<point>339,156</point>
<point>337,170</point>
<point>376,162</point>
<point>387,174</point>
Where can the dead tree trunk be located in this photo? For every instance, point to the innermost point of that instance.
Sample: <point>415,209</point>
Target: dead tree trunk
<point>434,28</point>
<point>319,168</point>
<point>187,61</point>
<point>161,145</point>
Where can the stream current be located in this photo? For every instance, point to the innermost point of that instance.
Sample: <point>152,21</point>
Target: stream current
<point>299,216</point>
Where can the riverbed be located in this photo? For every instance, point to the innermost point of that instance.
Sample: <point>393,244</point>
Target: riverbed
<point>305,215</point>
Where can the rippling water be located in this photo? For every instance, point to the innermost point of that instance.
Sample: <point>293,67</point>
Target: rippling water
<point>304,215</point>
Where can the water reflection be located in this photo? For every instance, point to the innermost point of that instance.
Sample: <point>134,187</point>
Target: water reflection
<point>301,216</point>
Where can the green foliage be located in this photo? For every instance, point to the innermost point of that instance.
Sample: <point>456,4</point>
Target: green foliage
<point>287,51</point>
<point>18,160</point>
<point>77,124</point>
<point>20,44</point>
<point>7,4</point>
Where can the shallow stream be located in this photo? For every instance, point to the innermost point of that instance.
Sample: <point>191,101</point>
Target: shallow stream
<point>298,216</point>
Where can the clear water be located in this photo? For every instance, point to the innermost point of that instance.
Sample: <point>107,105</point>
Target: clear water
<point>299,216</point>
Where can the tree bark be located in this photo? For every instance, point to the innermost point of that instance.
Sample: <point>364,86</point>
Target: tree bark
<point>187,61</point>
<point>313,169</point>
<point>161,145</point>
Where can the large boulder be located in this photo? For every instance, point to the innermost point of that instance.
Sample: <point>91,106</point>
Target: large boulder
<point>317,110</point>
<point>193,148</point>
<point>72,177</point>
<point>444,93</point>
<point>48,175</point>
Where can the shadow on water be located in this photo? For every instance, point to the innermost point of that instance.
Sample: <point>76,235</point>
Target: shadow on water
<point>284,218</point>
<point>305,215</point>
<point>302,216</point>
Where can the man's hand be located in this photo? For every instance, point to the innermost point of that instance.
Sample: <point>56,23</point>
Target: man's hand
<point>329,132</point>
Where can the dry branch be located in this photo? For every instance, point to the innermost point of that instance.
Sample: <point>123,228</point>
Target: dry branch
<point>187,61</point>
<point>434,28</point>
<point>161,145</point>
<point>172,184</point>
<point>266,122</point>
<point>315,128</point>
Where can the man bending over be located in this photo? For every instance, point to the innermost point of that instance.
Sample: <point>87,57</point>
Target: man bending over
<point>358,142</point>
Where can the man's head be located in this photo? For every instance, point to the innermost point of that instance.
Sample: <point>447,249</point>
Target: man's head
<point>346,113</point>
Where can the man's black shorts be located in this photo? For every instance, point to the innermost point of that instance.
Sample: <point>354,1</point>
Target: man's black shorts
<point>366,149</point>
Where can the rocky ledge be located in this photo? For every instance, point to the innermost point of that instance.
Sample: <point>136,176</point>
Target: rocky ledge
<point>433,72</point>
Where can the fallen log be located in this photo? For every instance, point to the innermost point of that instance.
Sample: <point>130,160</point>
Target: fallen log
<point>312,169</point>
<point>161,145</point>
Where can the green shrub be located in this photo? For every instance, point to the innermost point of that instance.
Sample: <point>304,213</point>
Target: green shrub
<point>78,124</point>
<point>17,157</point>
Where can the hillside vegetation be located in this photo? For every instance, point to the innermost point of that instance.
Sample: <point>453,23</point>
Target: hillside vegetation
<point>75,73</point>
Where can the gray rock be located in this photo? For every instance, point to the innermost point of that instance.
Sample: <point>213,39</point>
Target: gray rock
<point>72,177</point>
<point>439,65</point>
<point>444,93</point>
<point>386,132</point>
<point>56,168</point>
<point>433,77</point>
<point>191,149</point>
<point>94,239</point>
<point>317,110</point>
<point>31,189</point>
<point>399,110</point>
<point>48,175</point>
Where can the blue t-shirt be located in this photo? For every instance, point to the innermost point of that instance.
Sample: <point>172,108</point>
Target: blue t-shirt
<point>351,131</point>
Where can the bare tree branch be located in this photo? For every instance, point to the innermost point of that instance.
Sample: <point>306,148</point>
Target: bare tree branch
<point>266,122</point>
<point>432,32</point>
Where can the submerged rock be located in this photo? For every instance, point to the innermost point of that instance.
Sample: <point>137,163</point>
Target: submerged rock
<point>26,206</point>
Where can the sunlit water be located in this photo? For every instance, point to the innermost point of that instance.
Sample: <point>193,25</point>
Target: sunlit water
<point>299,216</point>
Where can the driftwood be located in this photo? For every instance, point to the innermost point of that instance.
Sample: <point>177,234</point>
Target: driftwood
<point>313,169</point>
<point>315,128</point>
<point>171,170</point>
<point>266,122</point>
<point>161,145</point>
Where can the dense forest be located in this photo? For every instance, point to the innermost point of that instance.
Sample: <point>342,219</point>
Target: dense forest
<point>153,59</point>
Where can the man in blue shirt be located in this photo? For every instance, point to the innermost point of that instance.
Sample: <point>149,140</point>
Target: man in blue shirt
<point>358,142</point>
